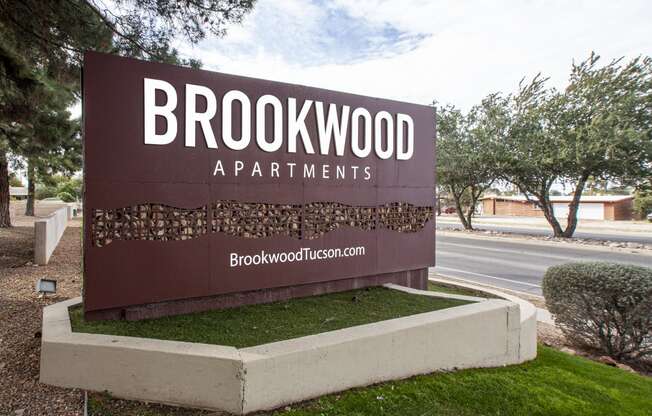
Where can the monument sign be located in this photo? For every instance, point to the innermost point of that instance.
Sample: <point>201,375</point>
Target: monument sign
<point>210,190</point>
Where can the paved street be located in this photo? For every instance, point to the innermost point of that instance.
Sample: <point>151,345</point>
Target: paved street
<point>512,264</point>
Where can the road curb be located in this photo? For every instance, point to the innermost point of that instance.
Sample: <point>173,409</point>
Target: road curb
<point>543,315</point>
<point>470,282</point>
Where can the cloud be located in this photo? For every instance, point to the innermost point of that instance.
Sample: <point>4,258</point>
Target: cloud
<point>309,34</point>
<point>417,50</point>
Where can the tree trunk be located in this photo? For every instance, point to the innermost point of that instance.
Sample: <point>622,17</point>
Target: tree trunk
<point>460,212</point>
<point>5,220</point>
<point>469,218</point>
<point>476,192</point>
<point>571,222</point>
<point>549,214</point>
<point>29,206</point>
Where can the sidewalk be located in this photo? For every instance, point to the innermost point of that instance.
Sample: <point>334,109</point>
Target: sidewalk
<point>604,226</point>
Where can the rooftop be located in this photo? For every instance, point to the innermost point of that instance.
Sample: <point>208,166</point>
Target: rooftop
<point>18,190</point>
<point>569,198</point>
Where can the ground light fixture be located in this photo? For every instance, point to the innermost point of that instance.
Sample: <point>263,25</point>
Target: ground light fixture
<point>46,286</point>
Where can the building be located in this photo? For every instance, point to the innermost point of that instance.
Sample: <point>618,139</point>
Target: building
<point>607,207</point>
<point>18,192</point>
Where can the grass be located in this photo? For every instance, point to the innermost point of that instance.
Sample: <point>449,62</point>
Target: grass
<point>457,290</point>
<point>260,324</point>
<point>554,383</point>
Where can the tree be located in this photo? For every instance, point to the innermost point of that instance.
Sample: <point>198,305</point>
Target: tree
<point>42,45</point>
<point>48,142</point>
<point>600,127</point>
<point>15,181</point>
<point>531,158</point>
<point>466,152</point>
<point>65,29</point>
<point>45,158</point>
<point>47,139</point>
<point>19,84</point>
<point>643,198</point>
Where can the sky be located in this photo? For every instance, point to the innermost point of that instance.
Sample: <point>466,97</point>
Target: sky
<point>455,52</point>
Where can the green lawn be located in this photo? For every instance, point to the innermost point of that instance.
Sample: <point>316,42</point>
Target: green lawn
<point>457,290</point>
<point>260,324</point>
<point>553,384</point>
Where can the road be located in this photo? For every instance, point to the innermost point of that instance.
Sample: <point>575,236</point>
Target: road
<point>594,235</point>
<point>512,264</point>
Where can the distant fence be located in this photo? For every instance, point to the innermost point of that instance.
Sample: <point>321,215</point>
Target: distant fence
<point>48,232</point>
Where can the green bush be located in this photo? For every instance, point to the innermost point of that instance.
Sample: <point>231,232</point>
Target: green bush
<point>66,197</point>
<point>606,306</point>
<point>70,186</point>
<point>42,192</point>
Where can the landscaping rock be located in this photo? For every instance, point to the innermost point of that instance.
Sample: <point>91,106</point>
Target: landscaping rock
<point>604,359</point>
<point>568,350</point>
<point>625,367</point>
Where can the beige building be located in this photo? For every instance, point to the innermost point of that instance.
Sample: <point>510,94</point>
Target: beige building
<point>18,192</point>
<point>607,207</point>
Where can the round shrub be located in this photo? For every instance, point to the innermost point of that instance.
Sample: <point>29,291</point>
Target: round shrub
<point>66,197</point>
<point>607,306</point>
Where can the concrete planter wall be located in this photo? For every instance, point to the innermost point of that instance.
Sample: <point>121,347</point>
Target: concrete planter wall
<point>484,334</point>
<point>48,232</point>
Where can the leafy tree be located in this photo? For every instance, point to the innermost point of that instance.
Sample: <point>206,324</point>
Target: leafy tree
<point>42,45</point>
<point>55,185</point>
<point>600,127</point>
<point>15,181</point>
<point>466,152</point>
<point>71,187</point>
<point>643,204</point>
<point>643,198</point>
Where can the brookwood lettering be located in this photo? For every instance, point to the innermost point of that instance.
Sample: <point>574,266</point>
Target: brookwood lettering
<point>387,135</point>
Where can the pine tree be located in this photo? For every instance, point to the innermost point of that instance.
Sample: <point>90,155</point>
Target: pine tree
<point>41,50</point>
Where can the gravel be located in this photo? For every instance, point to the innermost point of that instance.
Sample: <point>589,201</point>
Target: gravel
<point>21,314</point>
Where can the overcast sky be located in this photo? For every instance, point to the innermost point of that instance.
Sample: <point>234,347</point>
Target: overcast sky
<point>418,50</point>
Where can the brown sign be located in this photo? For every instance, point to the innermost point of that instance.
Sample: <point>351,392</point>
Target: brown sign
<point>200,184</point>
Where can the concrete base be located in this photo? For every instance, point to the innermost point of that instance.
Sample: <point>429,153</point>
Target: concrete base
<point>486,333</point>
<point>417,279</point>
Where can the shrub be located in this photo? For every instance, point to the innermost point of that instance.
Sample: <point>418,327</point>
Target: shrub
<point>66,197</point>
<point>606,306</point>
<point>43,192</point>
<point>70,186</point>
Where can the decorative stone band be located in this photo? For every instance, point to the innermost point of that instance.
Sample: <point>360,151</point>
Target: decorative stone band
<point>160,222</point>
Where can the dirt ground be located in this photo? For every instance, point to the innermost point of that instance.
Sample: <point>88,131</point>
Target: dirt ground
<point>16,246</point>
<point>17,243</point>
<point>21,314</point>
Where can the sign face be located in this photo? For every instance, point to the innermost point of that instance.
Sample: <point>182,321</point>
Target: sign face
<point>199,183</point>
